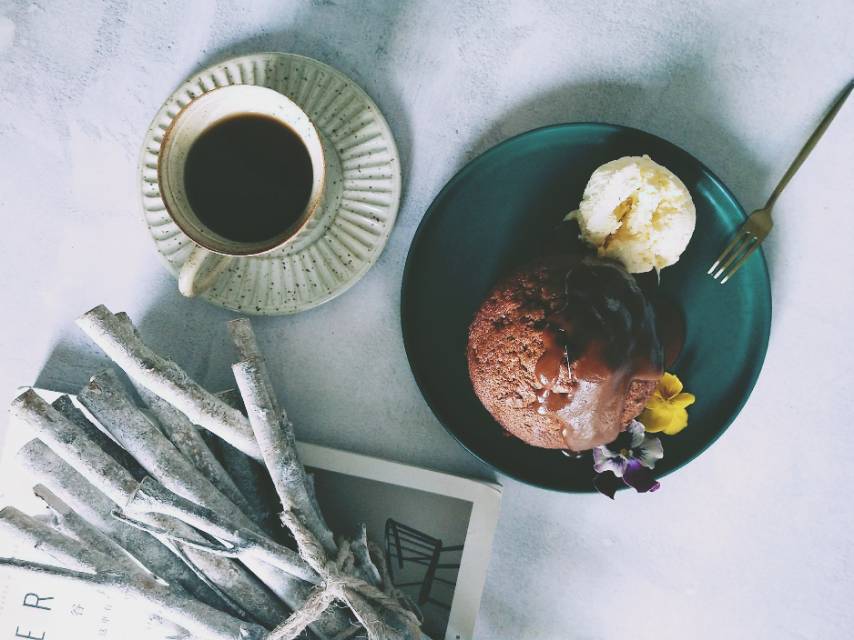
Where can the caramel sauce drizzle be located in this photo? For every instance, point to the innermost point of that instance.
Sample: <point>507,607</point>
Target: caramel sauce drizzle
<point>604,335</point>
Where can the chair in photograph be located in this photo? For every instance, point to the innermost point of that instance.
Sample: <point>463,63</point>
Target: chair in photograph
<point>405,544</point>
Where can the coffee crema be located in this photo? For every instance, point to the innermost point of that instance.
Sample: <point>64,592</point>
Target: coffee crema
<point>248,178</point>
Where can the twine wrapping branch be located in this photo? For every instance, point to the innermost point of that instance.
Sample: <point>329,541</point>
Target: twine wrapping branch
<point>382,615</point>
<point>340,583</point>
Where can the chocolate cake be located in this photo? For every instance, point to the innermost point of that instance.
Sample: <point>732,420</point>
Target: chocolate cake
<point>563,352</point>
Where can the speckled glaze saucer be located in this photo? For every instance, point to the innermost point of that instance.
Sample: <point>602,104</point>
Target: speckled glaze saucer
<point>363,171</point>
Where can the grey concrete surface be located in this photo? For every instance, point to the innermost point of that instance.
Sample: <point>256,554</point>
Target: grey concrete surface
<point>753,539</point>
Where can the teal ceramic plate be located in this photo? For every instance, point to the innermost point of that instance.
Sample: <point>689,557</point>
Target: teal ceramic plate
<point>497,212</point>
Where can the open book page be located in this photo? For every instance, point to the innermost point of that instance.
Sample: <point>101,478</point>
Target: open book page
<point>36,607</point>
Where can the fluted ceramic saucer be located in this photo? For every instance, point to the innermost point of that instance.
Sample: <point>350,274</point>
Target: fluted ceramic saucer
<point>359,210</point>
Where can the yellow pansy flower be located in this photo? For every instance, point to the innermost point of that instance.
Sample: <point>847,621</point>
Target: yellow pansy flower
<point>665,412</point>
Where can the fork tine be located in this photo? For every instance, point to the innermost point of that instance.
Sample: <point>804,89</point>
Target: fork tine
<point>741,260</point>
<point>730,253</point>
<point>730,246</point>
<point>744,246</point>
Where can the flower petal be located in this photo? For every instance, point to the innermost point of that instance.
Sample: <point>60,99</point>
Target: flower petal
<point>669,418</point>
<point>649,452</point>
<point>657,401</point>
<point>601,453</point>
<point>606,460</point>
<point>622,441</point>
<point>678,421</point>
<point>683,400</point>
<point>607,483</point>
<point>639,477</point>
<point>636,431</point>
<point>656,417</point>
<point>669,386</point>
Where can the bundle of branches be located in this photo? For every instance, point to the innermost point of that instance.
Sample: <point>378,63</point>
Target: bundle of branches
<point>164,503</point>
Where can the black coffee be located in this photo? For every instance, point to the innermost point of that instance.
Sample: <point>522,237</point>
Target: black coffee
<point>248,178</point>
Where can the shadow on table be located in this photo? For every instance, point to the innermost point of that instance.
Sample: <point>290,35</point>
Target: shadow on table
<point>194,334</point>
<point>180,329</point>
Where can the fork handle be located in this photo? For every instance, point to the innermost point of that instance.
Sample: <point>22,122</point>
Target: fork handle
<point>809,146</point>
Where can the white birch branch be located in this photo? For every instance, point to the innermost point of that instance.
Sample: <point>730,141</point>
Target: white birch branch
<point>250,475</point>
<point>68,441</point>
<point>186,437</point>
<point>76,555</point>
<point>167,380</point>
<point>64,405</point>
<point>246,544</point>
<point>269,560</point>
<point>68,552</point>
<point>311,489</point>
<point>105,398</point>
<point>95,508</point>
<point>275,436</point>
<point>72,524</point>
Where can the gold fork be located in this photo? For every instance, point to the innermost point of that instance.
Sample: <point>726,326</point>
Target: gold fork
<point>751,234</point>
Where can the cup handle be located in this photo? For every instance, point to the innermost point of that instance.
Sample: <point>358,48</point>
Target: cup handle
<point>200,271</point>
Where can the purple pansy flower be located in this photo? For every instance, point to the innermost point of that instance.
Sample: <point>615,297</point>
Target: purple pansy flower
<point>627,461</point>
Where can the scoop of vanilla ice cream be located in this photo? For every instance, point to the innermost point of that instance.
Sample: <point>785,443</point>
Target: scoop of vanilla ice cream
<point>638,212</point>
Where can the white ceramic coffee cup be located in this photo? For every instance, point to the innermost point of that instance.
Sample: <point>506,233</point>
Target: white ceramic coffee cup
<point>213,252</point>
